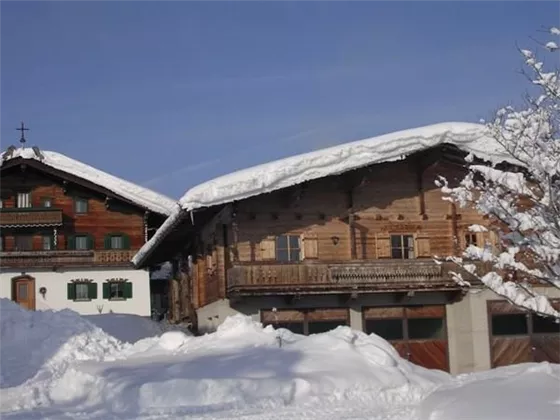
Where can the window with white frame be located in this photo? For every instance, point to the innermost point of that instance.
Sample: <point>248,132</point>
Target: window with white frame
<point>23,200</point>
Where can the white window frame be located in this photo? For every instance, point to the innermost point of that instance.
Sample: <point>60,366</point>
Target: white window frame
<point>23,200</point>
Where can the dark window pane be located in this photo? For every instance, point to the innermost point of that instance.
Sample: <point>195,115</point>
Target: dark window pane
<point>294,255</point>
<point>424,328</point>
<point>396,253</point>
<point>294,241</point>
<point>409,253</point>
<point>282,242</point>
<point>543,325</point>
<point>318,327</point>
<point>117,290</point>
<point>396,241</point>
<point>24,243</point>
<point>282,255</point>
<point>509,324</point>
<point>22,291</point>
<point>295,327</point>
<point>389,329</point>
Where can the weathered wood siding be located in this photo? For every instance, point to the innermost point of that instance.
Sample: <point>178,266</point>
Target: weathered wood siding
<point>99,221</point>
<point>338,216</point>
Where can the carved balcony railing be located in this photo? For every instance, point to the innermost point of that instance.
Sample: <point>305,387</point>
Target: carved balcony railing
<point>51,259</point>
<point>24,217</point>
<point>314,278</point>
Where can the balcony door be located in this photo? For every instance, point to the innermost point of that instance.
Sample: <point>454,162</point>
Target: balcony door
<point>23,291</point>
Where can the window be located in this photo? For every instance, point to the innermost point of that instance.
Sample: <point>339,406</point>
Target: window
<point>470,239</point>
<point>23,200</point>
<point>542,325</point>
<point>117,290</point>
<point>24,243</point>
<point>46,202</point>
<point>117,242</point>
<point>81,242</point>
<point>509,324</point>
<point>389,329</point>
<point>402,246</point>
<point>295,327</point>
<point>80,205</point>
<point>47,241</point>
<point>288,248</point>
<point>318,327</point>
<point>425,328</point>
<point>1,243</point>
<point>82,291</point>
<point>1,204</point>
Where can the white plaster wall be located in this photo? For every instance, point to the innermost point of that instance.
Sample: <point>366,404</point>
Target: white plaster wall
<point>56,284</point>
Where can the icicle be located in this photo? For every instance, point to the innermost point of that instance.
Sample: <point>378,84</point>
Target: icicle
<point>192,217</point>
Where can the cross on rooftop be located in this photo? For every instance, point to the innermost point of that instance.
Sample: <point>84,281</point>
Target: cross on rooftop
<point>23,129</point>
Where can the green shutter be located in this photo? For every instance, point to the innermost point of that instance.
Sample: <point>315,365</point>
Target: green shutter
<point>92,290</point>
<point>106,290</point>
<point>71,289</point>
<point>90,242</point>
<point>107,242</point>
<point>126,241</point>
<point>127,290</point>
<point>70,242</point>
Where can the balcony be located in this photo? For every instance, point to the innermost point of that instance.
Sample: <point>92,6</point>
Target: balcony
<point>52,259</point>
<point>352,276</point>
<point>30,217</point>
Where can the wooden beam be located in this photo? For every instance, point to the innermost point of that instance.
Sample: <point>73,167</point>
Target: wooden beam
<point>351,225</point>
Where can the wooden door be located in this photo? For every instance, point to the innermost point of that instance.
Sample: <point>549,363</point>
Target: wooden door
<point>418,333</point>
<point>520,337</point>
<point>23,291</point>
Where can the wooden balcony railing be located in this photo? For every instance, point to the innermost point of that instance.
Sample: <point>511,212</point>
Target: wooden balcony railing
<point>49,259</point>
<point>389,275</point>
<point>18,217</point>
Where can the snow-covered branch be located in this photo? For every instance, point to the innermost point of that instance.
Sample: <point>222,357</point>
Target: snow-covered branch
<point>521,201</point>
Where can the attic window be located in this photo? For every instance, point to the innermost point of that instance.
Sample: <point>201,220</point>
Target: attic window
<point>23,200</point>
<point>80,205</point>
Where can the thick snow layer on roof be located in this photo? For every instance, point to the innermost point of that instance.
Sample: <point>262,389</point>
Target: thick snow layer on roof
<point>338,159</point>
<point>294,170</point>
<point>141,196</point>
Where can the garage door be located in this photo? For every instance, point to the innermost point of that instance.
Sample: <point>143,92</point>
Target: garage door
<point>306,321</point>
<point>519,337</point>
<point>418,333</point>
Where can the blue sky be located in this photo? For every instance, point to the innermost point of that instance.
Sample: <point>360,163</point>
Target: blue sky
<point>169,94</point>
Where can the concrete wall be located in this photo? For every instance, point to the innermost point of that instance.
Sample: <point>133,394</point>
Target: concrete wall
<point>57,298</point>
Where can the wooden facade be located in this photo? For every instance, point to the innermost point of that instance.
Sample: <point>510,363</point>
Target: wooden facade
<point>50,219</point>
<point>370,230</point>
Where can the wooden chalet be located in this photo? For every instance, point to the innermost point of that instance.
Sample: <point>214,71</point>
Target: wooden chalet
<point>355,248</point>
<point>68,233</point>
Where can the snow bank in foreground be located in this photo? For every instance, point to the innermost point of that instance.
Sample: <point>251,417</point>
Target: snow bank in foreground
<point>131,328</point>
<point>46,342</point>
<point>239,365</point>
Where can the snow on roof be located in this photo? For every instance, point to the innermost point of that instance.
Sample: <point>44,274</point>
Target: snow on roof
<point>294,170</point>
<point>141,196</point>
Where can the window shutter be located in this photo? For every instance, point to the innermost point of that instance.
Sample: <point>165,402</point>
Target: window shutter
<point>481,239</point>
<point>268,248</point>
<point>70,242</point>
<point>71,289</point>
<point>106,290</point>
<point>107,242</point>
<point>310,246</point>
<point>90,242</point>
<point>127,290</point>
<point>92,290</point>
<point>383,246</point>
<point>423,247</point>
<point>126,241</point>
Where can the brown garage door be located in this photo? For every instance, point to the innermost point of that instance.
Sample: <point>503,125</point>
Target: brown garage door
<point>418,333</point>
<point>306,321</point>
<point>519,337</point>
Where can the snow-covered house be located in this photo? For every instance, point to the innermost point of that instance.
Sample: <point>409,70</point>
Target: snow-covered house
<point>69,231</point>
<point>347,236</point>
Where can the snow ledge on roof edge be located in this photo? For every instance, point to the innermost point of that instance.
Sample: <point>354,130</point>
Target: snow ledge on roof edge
<point>283,173</point>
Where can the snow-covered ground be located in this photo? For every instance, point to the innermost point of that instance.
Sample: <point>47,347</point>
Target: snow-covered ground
<point>58,365</point>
